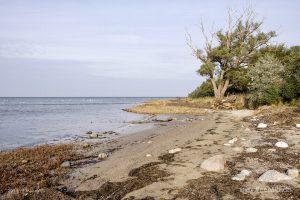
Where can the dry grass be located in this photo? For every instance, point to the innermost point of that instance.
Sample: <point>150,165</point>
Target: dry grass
<point>34,168</point>
<point>280,115</point>
<point>174,106</point>
<point>188,105</point>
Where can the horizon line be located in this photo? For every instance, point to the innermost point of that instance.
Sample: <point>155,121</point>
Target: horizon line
<point>91,96</point>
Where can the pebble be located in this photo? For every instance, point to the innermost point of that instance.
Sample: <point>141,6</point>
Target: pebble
<point>102,156</point>
<point>227,144</point>
<point>232,141</point>
<point>86,145</point>
<point>148,155</point>
<point>247,129</point>
<point>297,125</point>
<point>262,125</point>
<point>93,135</point>
<point>174,150</point>
<point>245,172</point>
<point>149,142</point>
<point>242,175</point>
<point>292,173</point>
<point>24,161</point>
<point>66,164</point>
<point>215,163</point>
<point>89,132</point>
<point>251,150</point>
<point>281,144</point>
<point>273,176</point>
<point>272,150</point>
<point>238,149</point>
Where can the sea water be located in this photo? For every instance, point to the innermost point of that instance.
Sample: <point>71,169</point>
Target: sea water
<point>34,120</point>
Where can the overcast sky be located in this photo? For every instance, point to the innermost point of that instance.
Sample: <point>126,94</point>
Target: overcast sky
<point>116,47</point>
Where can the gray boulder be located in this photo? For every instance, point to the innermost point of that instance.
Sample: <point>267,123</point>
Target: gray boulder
<point>273,176</point>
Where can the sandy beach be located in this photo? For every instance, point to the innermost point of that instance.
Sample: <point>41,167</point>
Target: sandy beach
<point>165,162</point>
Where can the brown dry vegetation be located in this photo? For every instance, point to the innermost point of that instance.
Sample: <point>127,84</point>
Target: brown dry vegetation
<point>280,115</point>
<point>188,105</point>
<point>174,106</point>
<point>34,168</point>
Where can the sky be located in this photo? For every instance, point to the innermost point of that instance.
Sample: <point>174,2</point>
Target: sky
<point>117,48</point>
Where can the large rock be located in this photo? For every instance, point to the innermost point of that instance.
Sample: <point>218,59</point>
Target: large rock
<point>215,163</point>
<point>273,176</point>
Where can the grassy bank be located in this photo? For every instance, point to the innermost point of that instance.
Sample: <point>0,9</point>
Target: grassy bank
<point>174,106</point>
<point>191,106</point>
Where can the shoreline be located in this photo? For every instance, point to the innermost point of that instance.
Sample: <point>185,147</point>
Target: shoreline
<point>143,160</point>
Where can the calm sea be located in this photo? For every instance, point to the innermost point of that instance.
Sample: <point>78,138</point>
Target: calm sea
<point>29,121</point>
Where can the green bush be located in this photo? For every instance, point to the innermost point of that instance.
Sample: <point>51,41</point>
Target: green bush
<point>270,96</point>
<point>289,91</point>
<point>204,90</point>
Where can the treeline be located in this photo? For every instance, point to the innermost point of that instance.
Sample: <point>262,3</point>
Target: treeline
<point>271,76</point>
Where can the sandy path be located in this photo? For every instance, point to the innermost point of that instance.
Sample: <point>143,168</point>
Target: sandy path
<point>129,174</point>
<point>198,139</point>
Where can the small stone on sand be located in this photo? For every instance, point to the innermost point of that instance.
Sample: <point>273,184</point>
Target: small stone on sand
<point>272,150</point>
<point>66,164</point>
<point>251,150</point>
<point>232,141</point>
<point>262,125</point>
<point>102,156</point>
<point>238,149</point>
<point>215,163</point>
<point>174,150</point>
<point>94,135</point>
<point>292,173</point>
<point>281,144</point>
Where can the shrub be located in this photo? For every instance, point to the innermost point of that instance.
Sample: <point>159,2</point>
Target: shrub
<point>204,90</point>
<point>265,83</point>
<point>270,96</point>
<point>289,91</point>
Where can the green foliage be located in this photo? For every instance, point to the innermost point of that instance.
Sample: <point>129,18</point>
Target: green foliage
<point>204,90</point>
<point>265,81</point>
<point>291,76</point>
<point>240,81</point>
<point>271,95</point>
<point>289,91</point>
<point>225,57</point>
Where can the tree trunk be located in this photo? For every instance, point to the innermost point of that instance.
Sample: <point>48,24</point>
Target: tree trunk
<point>219,90</point>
